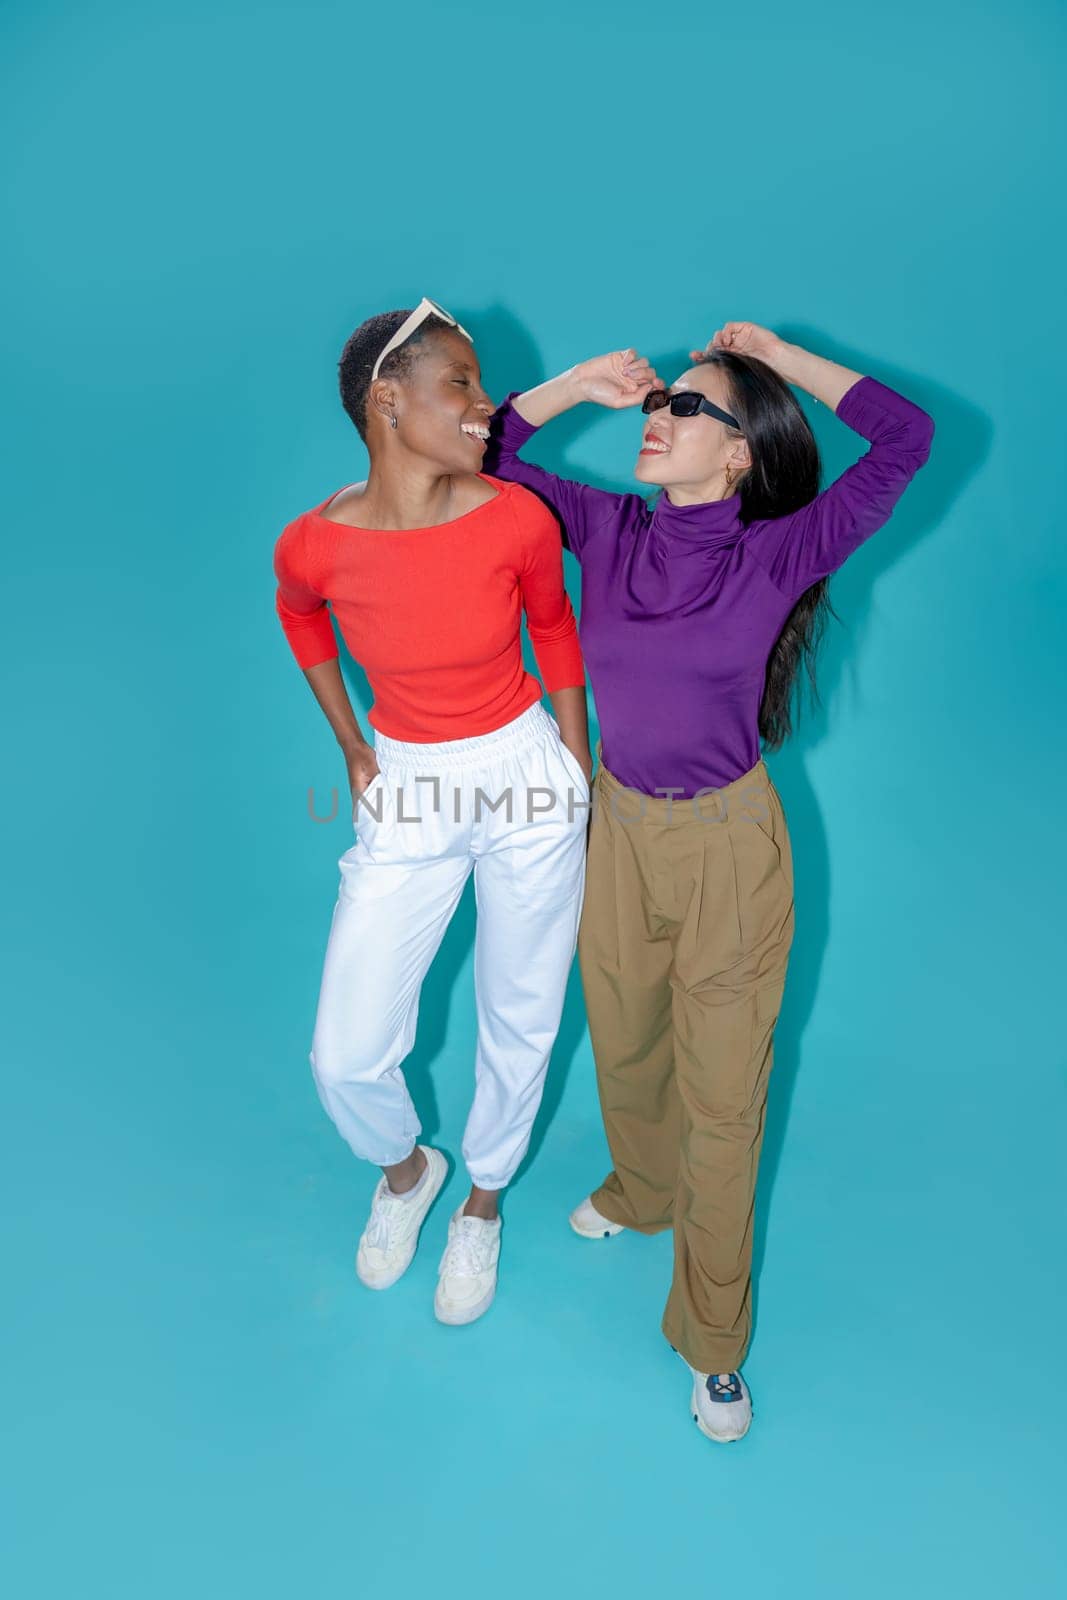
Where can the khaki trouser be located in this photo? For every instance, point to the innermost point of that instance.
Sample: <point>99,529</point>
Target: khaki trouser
<point>683,947</point>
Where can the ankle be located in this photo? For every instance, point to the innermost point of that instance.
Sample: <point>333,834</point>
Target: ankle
<point>482,1203</point>
<point>406,1175</point>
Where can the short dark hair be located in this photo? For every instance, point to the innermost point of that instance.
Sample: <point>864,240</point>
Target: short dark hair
<point>361,351</point>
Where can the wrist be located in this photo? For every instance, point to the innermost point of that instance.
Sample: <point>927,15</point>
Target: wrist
<point>782,357</point>
<point>353,744</point>
<point>572,384</point>
<point>548,399</point>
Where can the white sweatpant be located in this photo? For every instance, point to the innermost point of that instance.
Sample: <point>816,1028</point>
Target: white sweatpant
<point>433,813</point>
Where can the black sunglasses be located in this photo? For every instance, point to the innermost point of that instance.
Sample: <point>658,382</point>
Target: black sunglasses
<point>685,404</point>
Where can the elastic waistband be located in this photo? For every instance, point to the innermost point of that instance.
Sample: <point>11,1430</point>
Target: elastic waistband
<point>526,729</point>
<point>632,805</point>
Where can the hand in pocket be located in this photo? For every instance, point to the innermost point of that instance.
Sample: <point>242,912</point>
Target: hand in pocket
<point>363,768</point>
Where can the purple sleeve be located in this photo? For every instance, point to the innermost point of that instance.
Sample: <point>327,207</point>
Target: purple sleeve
<point>799,549</point>
<point>577,506</point>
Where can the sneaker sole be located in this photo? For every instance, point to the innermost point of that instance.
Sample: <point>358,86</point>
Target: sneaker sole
<point>435,1185</point>
<point>459,1319</point>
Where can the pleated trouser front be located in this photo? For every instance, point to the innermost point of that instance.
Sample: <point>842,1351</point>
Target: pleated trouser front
<point>683,948</point>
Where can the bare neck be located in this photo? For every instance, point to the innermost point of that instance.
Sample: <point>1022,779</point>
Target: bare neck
<point>405,494</point>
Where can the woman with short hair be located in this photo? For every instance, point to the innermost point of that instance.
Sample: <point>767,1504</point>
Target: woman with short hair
<point>429,565</point>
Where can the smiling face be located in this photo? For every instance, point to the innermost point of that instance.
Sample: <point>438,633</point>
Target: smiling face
<point>689,455</point>
<point>442,411</point>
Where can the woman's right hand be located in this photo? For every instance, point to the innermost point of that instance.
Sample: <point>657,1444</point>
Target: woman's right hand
<point>620,378</point>
<point>363,768</point>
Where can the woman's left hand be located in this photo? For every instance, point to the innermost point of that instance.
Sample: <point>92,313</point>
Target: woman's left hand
<point>748,338</point>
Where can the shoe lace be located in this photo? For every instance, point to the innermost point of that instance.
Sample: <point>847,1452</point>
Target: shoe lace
<point>386,1209</point>
<point>724,1386</point>
<point>469,1249</point>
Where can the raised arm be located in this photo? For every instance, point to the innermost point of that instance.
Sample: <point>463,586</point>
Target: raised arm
<point>619,379</point>
<point>798,549</point>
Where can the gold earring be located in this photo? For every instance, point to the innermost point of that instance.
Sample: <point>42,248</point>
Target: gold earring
<point>729,477</point>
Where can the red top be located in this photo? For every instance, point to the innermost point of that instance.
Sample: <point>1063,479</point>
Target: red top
<point>432,615</point>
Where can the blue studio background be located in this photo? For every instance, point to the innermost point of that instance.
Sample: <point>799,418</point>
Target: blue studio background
<point>201,203</point>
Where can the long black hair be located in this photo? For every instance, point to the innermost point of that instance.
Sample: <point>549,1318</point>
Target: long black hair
<point>784,475</point>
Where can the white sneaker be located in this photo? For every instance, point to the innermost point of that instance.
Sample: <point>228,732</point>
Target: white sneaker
<point>721,1405</point>
<point>467,1274</point>
<point>392,1232</point>
<point>586,1220</point>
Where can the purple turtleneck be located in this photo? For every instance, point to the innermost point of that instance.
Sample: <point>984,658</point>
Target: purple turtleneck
<point>682,605</point>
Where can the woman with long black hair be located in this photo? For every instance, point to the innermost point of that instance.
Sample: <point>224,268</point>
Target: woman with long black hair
<point>696,615</point>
